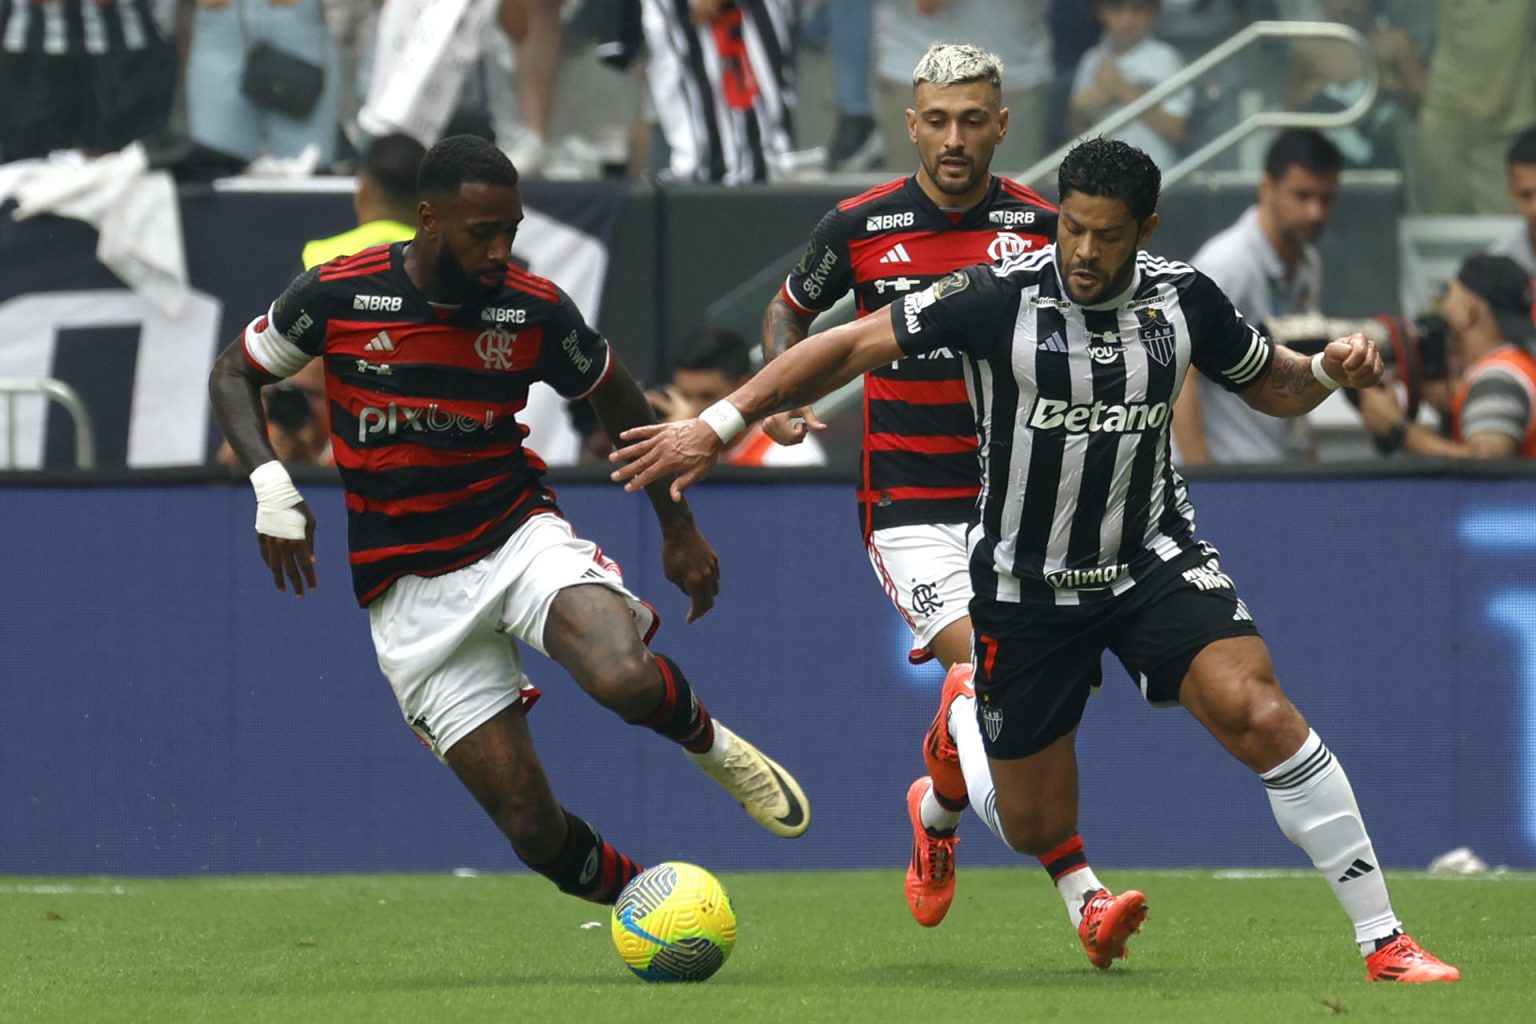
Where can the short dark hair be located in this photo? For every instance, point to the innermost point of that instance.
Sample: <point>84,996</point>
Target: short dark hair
<point>1111,169</point>
<point>393,162</point>
<point>1523,149</point>
<point>1307,147</point>
<point>463,158</point>
<point>716,348</point>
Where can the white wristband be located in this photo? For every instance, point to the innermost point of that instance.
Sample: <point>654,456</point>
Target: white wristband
<point>275,500</point>
<point>724,419</point>
<point>1322,374</point>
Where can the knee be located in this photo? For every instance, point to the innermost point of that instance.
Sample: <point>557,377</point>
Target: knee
<point>1262,711</point>
<point>627,683</point>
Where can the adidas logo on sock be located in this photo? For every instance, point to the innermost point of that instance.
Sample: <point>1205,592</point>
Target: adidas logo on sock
<point>1358,868</point>
<point>381,343</point>
<point>896,254</point>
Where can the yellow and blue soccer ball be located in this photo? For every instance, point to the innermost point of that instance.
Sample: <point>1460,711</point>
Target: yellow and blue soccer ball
<point>674,922</point>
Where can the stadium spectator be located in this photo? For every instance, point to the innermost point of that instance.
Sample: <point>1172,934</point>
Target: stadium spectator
<point>1487,308</point>
<point>1326,75</point>
<point>1075,30</point>
<point>298,421</point>
<point>726,116</point>
<point>92,75</point>
<point>1268,266</point>
<point>1520,246</point>
<point>714,363</point>
<point>536,33</point>
<point>917,487</point>
<point>1098,551</point>
<point>857,144</point>
<point>263,78</point>
<point>1126,63</point>
<point>457,549</point>
<point>1016,31</point>
<point>384,200</point>
<point>1481,93</point>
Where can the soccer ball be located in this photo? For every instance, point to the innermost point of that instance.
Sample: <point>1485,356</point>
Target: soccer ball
<point>673,922</point>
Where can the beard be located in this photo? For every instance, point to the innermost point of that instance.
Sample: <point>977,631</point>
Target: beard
<point>952,186</point>
<point>457,284</point>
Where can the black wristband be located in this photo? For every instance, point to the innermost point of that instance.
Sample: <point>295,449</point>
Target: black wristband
<point>1393,439</point>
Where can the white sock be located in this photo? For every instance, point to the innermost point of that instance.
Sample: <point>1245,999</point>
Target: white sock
<point>935,815</point>
<point>1074,885</point>
<point>973,763</point>
<point>1074,888</point>
<point>715,755</point>
<point>1315,808</point>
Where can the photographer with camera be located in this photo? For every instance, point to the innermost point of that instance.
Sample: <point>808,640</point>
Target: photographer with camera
<point>1487,309</point>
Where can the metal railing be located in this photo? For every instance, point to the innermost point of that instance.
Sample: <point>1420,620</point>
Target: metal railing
<point>841,311</point>
<point>1220,54</point>
<point>47,388</point>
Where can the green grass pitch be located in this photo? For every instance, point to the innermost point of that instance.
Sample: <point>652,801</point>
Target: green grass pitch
<point>825,946</point>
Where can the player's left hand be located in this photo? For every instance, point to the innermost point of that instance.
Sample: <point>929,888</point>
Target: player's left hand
<point>690,562</point>
<point>659,450</point>
<point>1353,361</point>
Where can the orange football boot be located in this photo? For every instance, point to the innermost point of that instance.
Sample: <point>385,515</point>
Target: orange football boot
<point>931,874</point>
<point>1402,959</point>
<point>940,754</point>
<point>1108,923</point>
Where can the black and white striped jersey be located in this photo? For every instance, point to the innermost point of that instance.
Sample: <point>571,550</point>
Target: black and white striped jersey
<point>90,27</point>
<point>1078,496</point>
<point>723,92</point>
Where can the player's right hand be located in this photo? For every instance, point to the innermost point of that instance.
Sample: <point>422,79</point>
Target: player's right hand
<point>655,451</point>
<point>293,559</point>
<point>790,428</point>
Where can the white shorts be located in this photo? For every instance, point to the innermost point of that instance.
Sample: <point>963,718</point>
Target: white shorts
<point>445,643</point>
<point>925,571</point>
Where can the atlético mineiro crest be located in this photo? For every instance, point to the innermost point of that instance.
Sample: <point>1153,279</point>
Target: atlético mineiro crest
<point>1157,335</point>
<point>992,720</point>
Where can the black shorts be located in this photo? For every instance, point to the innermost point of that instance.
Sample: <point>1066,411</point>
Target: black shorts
<point>1036,665</point>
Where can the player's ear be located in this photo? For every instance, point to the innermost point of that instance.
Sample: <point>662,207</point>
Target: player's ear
<point>912,125</point>
<point>1147,227</point>
<point>426,217</point>
<point>1002,124</point>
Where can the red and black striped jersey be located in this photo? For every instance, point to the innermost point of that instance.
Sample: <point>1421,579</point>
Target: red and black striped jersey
<point>424,400</point>
<point>919,461</point>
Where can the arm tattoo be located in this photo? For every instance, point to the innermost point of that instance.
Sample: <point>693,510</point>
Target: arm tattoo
<point>1290,374</point>
<point>782,327</point>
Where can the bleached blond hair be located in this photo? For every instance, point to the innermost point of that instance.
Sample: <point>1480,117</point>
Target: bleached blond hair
<point>954,63</point>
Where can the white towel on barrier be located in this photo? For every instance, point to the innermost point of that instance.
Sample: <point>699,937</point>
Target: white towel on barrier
<point>134,210</point>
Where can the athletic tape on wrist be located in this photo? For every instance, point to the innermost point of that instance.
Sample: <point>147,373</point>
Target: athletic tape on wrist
<point>724,419</point>
<point>1322,374</point>
<point>275,500</point>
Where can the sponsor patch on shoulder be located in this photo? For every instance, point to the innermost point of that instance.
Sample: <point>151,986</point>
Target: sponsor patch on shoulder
<point>951,284</point>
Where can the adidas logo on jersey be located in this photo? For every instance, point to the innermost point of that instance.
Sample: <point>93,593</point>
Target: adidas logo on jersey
<point>1055,343</point>
<point>896,254</point>
<point>381,343</point>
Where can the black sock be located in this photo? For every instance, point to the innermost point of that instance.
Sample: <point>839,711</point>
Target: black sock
<point>586,866</point>
<point>1387,940</point>
<point>680,717</point>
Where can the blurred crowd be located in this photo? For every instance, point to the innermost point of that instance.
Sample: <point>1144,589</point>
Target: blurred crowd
<point>728,91</point>
<point>739,91</point>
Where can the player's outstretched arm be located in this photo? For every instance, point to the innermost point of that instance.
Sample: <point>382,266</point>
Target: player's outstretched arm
<point>1295,384</point>
<point>687,558</point>
<point>285,528</point>
<point>817,366</point>
<point>784,326</point>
